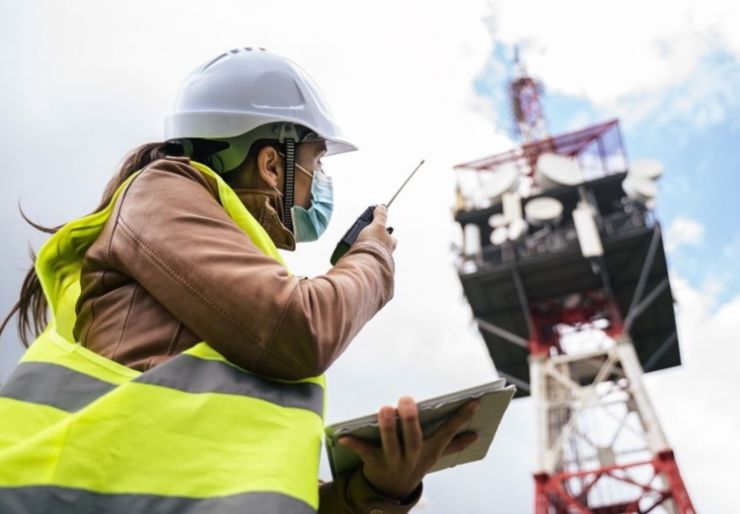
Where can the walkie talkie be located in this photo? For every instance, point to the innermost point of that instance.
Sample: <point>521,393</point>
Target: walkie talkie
<point>363,221</point>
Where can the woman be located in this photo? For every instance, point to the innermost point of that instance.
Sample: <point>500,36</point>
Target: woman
<point>183,362</point>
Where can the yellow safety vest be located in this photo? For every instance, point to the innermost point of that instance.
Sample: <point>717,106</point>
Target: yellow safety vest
<point>82,434</point>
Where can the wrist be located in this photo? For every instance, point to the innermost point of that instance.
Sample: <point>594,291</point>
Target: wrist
<point>403,495</point>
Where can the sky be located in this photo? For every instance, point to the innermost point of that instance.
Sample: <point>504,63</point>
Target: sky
<point>83,82</point>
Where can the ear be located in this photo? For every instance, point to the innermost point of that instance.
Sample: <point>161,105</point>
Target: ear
<point>270,166</point>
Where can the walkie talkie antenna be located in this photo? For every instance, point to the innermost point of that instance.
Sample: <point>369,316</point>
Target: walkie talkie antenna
<point>405,182</point>
<point>363,221</point>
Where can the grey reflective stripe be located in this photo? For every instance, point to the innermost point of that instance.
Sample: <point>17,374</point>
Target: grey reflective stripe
<point>54,385</point>
<point>69,390</point>
<point>194,375</point>
<point>62,500</point>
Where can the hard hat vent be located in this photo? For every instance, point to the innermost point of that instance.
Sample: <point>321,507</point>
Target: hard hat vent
<point>214,61</point>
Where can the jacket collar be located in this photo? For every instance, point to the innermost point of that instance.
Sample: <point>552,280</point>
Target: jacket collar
<point>265,206</point>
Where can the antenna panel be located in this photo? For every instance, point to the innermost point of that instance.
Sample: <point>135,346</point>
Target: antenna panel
<point>504,180</point>
<point>555,170</point>
<point>499,236</point>
<point>588,234</point>
<point>471,240</point>
<point>498,220</point>
<point>542,210</point>
<point>512,206</point>
<point>641,189</point>
<point>517,229</point>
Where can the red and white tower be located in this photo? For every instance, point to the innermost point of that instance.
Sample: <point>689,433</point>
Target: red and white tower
<point>525,99</point>
<point>564,268</point>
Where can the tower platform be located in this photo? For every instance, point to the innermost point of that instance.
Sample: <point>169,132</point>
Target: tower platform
<point>547,263</point>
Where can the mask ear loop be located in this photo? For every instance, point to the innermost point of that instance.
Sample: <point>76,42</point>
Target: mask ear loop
<point>299,167</point>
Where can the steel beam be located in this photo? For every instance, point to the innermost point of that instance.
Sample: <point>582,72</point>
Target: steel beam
<point>522,295</point>
<point>662,349</point>
<point>521,384</point>
<point>645,271</point>
<point>502,333</point>
<point>644,304</point>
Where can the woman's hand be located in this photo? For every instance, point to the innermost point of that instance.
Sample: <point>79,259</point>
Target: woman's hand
<point>377,229</point>
<point>397,467</point>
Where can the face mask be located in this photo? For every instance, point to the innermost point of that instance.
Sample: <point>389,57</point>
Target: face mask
<point>309,224</point>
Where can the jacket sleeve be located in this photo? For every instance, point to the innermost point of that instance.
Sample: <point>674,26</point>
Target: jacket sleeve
<point>173,237</point>
<point>352,494</point>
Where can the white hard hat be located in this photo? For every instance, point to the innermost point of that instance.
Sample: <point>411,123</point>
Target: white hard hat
<point>246,88</point>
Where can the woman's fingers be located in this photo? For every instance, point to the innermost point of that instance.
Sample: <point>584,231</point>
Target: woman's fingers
<point>410,427</point>
<point>405,456</point>
<point>380,215</point>
<point>377,229</point>
<point>364,450</point>
<point>389,433</point>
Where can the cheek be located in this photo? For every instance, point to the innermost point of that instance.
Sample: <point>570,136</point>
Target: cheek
<point>303,190</point>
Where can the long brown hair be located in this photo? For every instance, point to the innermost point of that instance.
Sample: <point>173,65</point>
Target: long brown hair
<point>32,306</point>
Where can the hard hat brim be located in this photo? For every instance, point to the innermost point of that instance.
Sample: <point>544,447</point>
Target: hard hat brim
<point>221,125</point>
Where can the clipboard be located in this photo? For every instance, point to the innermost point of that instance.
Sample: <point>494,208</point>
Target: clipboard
<point>494,399</point>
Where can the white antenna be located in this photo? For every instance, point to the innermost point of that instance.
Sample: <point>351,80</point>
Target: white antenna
<point>504,180</point>
<point>512,206</point>
<point>543,210</point>
<point>646,168</point>
<point>555,170</point>
<point>517,229</point>
<point>499,235</point>
<point>641,189</point>
<point>587,232</point>
<point>640,182</point>
<point>471,240</point>
<point>498,220</point>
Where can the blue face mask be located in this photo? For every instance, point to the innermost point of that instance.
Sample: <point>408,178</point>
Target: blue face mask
<point>309,224</point>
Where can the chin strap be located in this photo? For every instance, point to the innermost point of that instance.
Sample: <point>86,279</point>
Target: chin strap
<point>288,138</point>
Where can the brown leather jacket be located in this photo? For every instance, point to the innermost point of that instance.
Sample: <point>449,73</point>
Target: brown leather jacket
<point>170,269</point>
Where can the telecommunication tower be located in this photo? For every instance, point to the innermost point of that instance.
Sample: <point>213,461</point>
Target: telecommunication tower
<point>525,99</point>
<point>563,265</point>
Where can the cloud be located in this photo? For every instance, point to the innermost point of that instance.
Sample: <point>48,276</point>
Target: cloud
<point>731,250</point>
<point>683,231</point>
<point>661,60</point>
<point>695,402</point>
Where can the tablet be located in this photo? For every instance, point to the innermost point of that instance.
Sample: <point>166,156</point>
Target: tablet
<point>494,399</point>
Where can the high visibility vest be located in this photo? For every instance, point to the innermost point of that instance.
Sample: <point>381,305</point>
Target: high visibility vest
<point>82,434</point>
